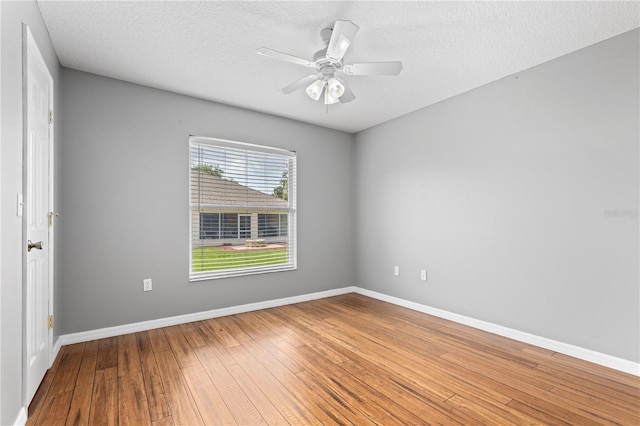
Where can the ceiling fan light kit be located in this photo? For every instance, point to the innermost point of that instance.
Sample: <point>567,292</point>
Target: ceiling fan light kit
<point>329,68</point>
<point>315,89</point>
<point>335,88</point>
<point>332,88</point>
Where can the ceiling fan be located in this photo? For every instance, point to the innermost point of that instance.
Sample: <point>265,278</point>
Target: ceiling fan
<point>328,66</point>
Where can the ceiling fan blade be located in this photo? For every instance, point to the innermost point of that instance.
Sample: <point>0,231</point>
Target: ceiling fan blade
<point>373,68</point>
<point>265,51</point>
<point>341,38</point>
<point>348,95</point>
<point>305,81</point>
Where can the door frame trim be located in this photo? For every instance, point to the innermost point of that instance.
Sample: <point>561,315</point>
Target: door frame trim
<point>29,45</point>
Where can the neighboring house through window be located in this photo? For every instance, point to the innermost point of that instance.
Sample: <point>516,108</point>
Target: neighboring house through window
<point>242,209</point>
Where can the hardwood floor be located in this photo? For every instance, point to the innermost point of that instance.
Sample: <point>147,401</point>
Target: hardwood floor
<point>342,360</point>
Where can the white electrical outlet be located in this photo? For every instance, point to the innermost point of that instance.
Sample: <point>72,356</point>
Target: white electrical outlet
<point>147,284</point>
<point>423,274</point>
<point>396,270</point>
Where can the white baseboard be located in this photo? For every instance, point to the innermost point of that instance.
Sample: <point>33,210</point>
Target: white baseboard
<point>553,345</point>
<point>21,418</point>
<point>55,351</point>
<point>101,333</point>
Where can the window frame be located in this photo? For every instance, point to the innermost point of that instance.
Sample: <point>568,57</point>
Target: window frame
<point>291,212</point>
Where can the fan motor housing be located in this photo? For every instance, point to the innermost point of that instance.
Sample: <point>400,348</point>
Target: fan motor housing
<point>325,34</point>
<point>319,55</point>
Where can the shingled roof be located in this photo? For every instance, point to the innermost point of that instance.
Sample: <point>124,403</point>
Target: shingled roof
<point>217,191</point>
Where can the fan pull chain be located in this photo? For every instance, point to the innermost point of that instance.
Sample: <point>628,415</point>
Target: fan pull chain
<point>326,97</point>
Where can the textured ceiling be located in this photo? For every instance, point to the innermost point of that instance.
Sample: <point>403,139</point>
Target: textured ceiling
<point>207,49</point>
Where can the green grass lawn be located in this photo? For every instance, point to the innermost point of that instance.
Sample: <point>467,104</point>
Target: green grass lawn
<point>214,259</point>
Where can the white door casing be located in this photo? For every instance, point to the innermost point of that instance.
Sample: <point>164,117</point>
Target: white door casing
<point>38,105</point>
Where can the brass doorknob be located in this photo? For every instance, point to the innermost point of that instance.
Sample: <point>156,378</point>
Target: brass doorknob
<point>31,245</point>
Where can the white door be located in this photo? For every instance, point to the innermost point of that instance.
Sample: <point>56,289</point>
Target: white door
<point>244,226</point>
<point>38,136</point>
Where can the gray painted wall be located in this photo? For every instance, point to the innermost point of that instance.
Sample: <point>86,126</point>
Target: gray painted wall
<point>125,197</point>
<point>520,198</point>
<point>14,14</point>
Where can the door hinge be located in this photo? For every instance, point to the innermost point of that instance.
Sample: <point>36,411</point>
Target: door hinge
<point>50,116</point>
<point>50,321</point>
<point>51,216</point>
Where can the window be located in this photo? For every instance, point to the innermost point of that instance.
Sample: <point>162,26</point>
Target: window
<point>272,225</point>
<point>209,226</point>
<point>215,226</point>
<point>229,225</point>
<point>242,209</point>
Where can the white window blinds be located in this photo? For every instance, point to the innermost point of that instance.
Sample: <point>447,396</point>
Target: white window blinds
<point>242,204</point>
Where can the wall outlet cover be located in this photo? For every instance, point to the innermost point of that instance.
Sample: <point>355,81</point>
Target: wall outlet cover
<point>147,284</point>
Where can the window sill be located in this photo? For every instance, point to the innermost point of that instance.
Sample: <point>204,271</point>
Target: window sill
<point>230,273</point>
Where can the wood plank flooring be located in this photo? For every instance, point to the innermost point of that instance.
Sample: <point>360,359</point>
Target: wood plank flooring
<point>341,360</point>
